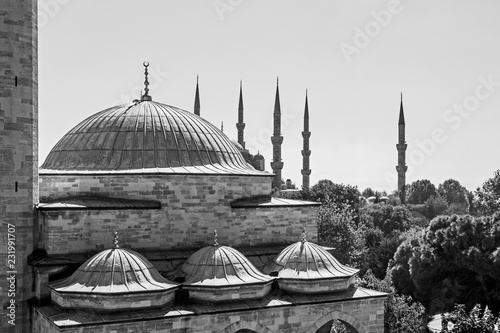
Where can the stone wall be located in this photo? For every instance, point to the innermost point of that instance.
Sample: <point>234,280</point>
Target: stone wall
<point>192,207</point>
<point>18,158</point>
<point>188,190</point>
<point>364,315</point>
<point>82,231</point>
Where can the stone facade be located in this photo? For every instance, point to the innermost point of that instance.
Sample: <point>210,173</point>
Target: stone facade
<point>18,157</point>
<point>285,313</point>
<point>192,207</point>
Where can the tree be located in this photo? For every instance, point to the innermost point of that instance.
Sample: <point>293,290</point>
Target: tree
<point>488,196</point>
<point>336,228</point>
<point>325,191</point>
<point>455,260</point>
<point>368,192</point>
<point>386,217</point>
<point>402,313</point>
<point>476,321</point>
<point>453,192</point>
<point>419,191</point>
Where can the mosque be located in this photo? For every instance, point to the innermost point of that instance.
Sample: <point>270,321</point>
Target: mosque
<point>147,218</point>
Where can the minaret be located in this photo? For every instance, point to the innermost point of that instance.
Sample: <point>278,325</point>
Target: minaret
<point>306,171</point>
<point>277,140</point>
<point>19,160</point>
<point>197,99</point>
<point>401,147</point>
<point>240,125</point>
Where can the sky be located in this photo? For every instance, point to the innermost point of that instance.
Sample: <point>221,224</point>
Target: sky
<point>354,58</point>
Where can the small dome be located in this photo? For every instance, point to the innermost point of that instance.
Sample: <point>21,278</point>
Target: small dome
<point>308,268</point>
<point>114,279</point>
<point>146,137</point>
<point>225,269</point>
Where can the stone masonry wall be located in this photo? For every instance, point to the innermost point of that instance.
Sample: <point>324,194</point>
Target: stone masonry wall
<point>18,158</point>
<point>364,315</point>
<point>192,207</point>
<point>81,231</point>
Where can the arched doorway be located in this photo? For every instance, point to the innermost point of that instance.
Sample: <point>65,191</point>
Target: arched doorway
<point>337,326</point>
<point>244,326</point>
<point>324,324</point>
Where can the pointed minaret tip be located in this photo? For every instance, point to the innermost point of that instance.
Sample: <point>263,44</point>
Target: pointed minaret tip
<point>401,113</point>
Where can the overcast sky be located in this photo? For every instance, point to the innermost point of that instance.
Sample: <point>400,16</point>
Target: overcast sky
<point>354,57</point>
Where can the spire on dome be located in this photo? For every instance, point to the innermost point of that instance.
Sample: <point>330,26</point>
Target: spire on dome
<point>115,240</point>
<point>303,237</point>
<point>215,238</point>
<point>146,97</point>
<point>197,99</point>
<point>401,113</point>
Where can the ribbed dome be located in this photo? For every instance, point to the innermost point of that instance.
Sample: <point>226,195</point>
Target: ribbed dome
<point>114,271</point>
<point>305,260</point>
<point>221,265</point>
<point>145,136</point>
<point>113,280</point>
<point>221,273</point>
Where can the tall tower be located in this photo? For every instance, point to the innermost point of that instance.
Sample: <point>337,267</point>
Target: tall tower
<point>306,152</point>
<point>240,125</point>
<point>277,140</point>
<point>197,99</point>
<point>18,159</point>
<point>401,147</point>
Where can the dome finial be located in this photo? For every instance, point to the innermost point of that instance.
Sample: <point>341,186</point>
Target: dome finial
<point>146,97</point>
<point>303,238</point>
<point>215,238</point>
<point>115,240</point>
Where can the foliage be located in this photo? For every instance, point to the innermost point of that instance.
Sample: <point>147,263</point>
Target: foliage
<point>327,192</point>
<point>368,192</point>
<point>453,192</point>
<point>402,313</point>
<point>386,217</point>
<point>338,327</point>
<point>399,268</point>
<point>419,191</point>
<point>476,321</point>
<point>488,196</point>
<point>379,231</point>
<point>336,228</point>
<point>435,206</point>
<point>455,260</point>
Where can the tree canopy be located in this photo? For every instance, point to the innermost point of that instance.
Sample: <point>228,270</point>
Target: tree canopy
<point>419,191</point>
<point>488,195</point>
<point>454,260</point>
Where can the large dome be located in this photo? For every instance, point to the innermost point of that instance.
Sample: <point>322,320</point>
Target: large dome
<point>145,137</point>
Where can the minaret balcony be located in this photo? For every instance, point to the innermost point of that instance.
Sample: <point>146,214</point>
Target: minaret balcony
<point>277,139</point>
<point>277,165</point>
